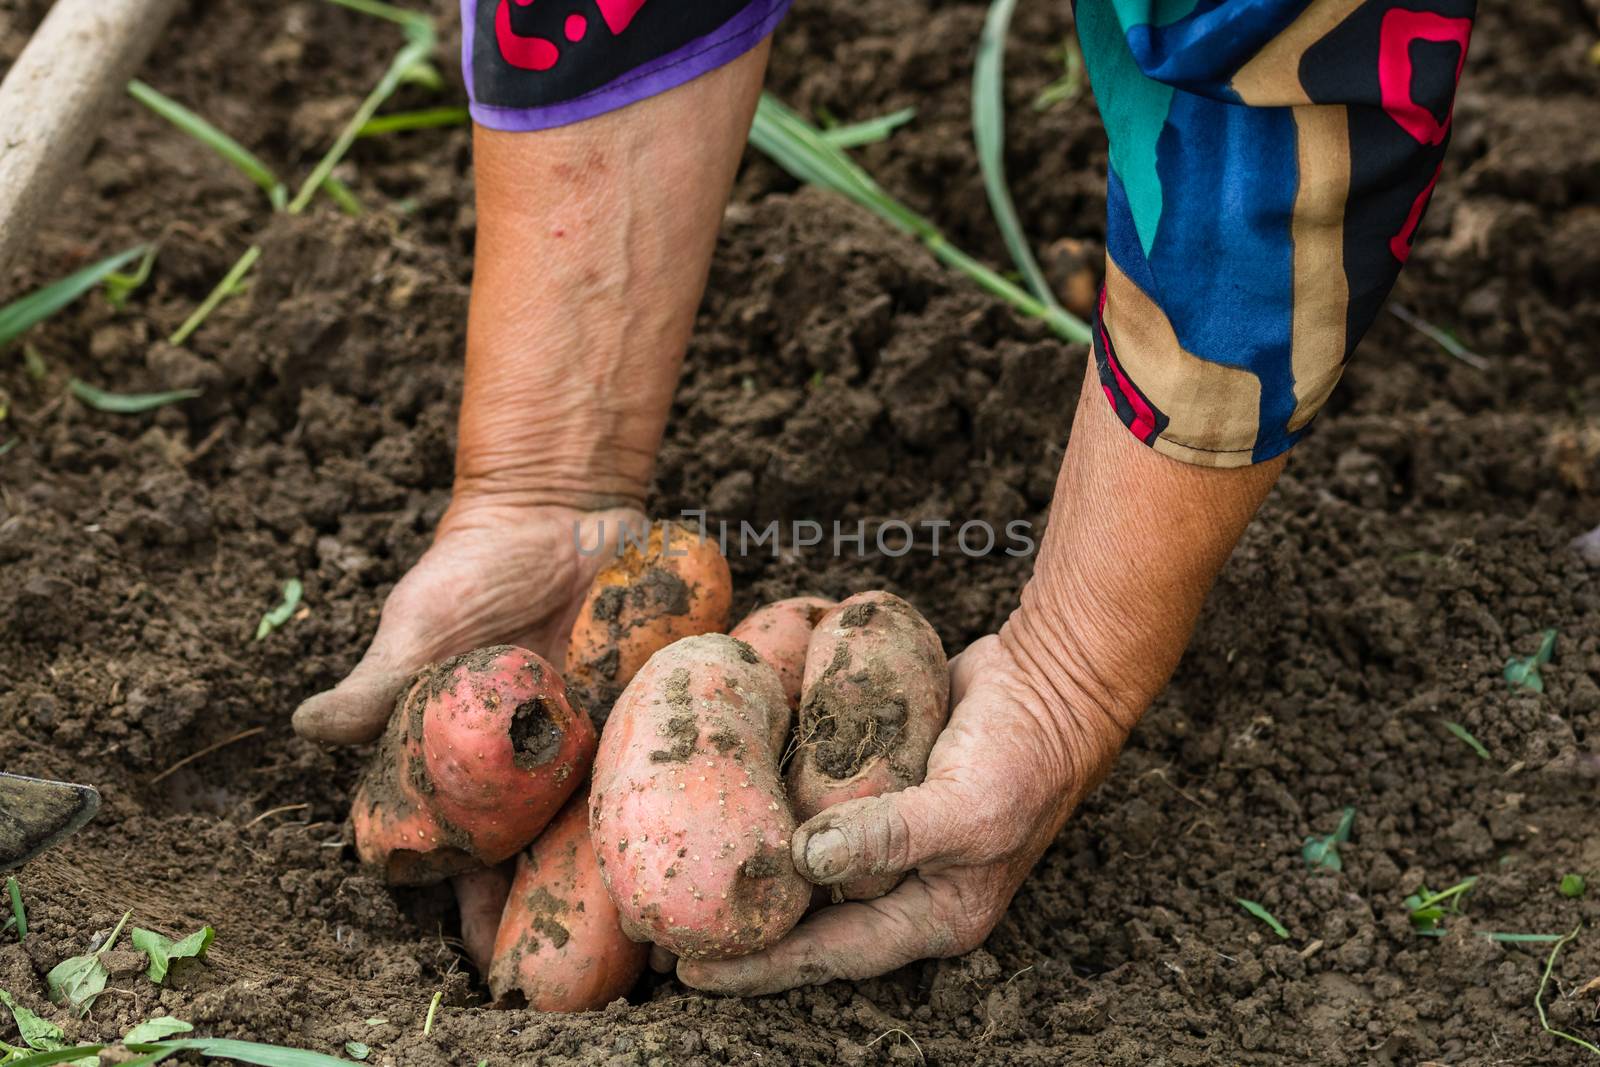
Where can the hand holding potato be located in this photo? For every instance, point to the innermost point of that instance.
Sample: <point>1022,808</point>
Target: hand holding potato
<point>496,574</point>
<point>1002,779</point>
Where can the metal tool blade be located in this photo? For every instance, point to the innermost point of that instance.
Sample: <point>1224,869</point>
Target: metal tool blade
<point>36,813</point>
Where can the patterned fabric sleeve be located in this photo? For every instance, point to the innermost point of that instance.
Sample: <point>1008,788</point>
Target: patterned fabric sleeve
<point>535,64</point>
<point>1270,162</point>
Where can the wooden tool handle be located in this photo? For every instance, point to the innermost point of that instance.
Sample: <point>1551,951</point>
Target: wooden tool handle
<point>56,95</point>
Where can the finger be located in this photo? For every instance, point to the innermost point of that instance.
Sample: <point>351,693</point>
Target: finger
<point>662,961</point>
<point>969,665</point>
<point>481,897</point>
<point>358,708</point>
<point>882,835</point>
<point>850,941</point>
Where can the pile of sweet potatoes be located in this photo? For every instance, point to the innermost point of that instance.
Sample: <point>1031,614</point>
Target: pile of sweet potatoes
<point>675,824</point>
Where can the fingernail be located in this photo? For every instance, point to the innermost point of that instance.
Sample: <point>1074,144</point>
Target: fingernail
<point>827,855</point>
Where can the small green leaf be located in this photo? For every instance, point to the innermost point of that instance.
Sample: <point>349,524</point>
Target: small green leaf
<point>156,1029</point>
<point>41,1034</point>
<point>1323,852</point>
<point>120,284</point>
<point>1524,673</point>
<point>357,1050</point>
<point>1427,908</point>
<point>162,951</point>
<point>126,403</point>
<point>1264,915</point>
<point>75,982</point>
<point>292,592</point>
<point>1573,886</point>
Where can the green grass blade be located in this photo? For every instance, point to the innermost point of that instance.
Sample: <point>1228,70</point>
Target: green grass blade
<point>989,134</point>
<point>1538,998</point>
<point>403,121</point>
<point>246,1052</point>
<point>801,150</point>
<point>417,50</point>
<point>60,1055</point>
<point>9,445</point>
<point>225,288</point>
<point>22,315</point>
<point>343,197</point>
<point>871,131</point>
<point>391,12</point>
<point>18,912</point>
<point>1465,735</point>
<point>241,158</point>
<point>1439,337</point>
<point>1264,915</point>
<point>126,403</point>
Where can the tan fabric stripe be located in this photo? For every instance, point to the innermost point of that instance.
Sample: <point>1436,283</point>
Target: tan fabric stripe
<point>1214,409</point>
<point>1272,77</point>
<point>1321,290</point>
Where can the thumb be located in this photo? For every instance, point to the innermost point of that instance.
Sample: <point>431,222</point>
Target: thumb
<point>878,836</point>
<point>358,708</point>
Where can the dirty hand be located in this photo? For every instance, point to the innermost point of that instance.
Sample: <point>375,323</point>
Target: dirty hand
<point>497,573</point>
<point>1009,768</point>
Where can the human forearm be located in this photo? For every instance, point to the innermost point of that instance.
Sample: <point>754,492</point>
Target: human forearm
<point>594,241</point>
<point>1134,544</point>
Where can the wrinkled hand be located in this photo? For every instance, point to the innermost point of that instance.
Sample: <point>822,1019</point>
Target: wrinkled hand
<point>495,574</point>
<point>1002,779</point>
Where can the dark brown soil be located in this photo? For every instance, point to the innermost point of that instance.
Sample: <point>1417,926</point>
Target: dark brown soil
<point>1417,542</point>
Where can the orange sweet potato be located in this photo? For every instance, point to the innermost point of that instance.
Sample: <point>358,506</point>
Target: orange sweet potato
<point>780,633</point>
<point>678,586</point>
<point>481,753</point>
<point>560,945</point>
<point>688,815</point>
<point>876,695</point>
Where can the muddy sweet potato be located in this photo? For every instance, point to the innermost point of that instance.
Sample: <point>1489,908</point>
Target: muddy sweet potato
<point>875,696</point>
<point>480,754</point>
<point>780,633</point>
<point>640,603</point>
<point>561,945</point>
<point>687,813</point>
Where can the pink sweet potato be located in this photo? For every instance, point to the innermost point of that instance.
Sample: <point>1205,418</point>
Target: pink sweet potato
<point>561,945</point>
<point>876,695</point>
<point>640,603</point>
<point>780,633</point>
<point>688,815</point>
<point>481,753</point>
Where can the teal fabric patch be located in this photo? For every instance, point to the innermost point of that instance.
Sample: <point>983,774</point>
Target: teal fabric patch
<point>1133,106</point>
<point>1133,13</point>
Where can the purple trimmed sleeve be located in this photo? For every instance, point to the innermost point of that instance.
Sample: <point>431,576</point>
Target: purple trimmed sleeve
<point>537,64</point>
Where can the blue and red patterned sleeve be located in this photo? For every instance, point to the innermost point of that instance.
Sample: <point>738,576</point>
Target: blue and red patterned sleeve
<point>1270,163</point>
<point>536,64</point>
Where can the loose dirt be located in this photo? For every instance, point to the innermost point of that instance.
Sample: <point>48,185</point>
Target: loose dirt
<point>1418,540</point>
